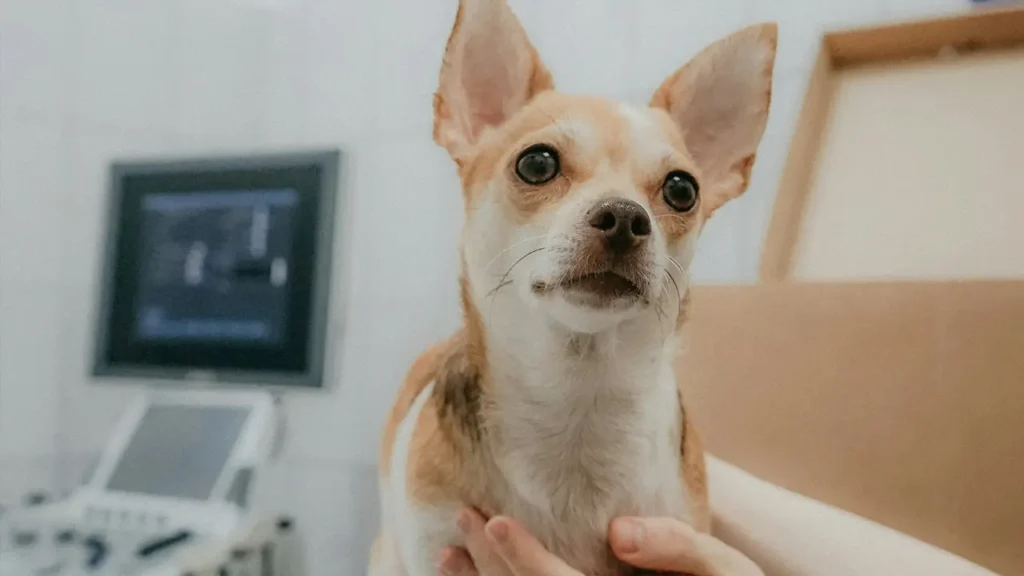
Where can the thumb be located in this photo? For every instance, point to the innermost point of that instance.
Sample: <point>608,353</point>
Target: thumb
<point>657,544</point>
<point>668,544</point>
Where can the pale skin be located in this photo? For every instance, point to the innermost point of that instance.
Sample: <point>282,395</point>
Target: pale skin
<point>501,547</point>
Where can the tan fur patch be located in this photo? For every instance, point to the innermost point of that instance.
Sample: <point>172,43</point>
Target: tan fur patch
<point>684,311</point>
<point>448,456</point>
<point>694,475</point>
<point>692,469</point>
<point>443,442</point>
<point>436,467</point>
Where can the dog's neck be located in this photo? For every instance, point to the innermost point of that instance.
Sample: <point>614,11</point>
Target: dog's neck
<point>536,358</point>
<point>575,414</point>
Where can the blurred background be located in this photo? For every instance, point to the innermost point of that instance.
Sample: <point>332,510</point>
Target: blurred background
<point>86,82</point>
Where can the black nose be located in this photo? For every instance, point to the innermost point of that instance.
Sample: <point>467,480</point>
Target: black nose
<point>623,223</point>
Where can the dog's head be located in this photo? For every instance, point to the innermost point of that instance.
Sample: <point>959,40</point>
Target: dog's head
<point>584,208</point>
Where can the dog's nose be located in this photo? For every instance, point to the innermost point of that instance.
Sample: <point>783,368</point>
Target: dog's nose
<point>624,224</point>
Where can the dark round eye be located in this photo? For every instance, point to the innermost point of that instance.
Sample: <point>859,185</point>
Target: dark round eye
<point>680,191</point>
<point>537,164</point>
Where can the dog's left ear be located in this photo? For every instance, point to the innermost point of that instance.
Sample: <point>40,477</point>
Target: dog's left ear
<point>719,101</point>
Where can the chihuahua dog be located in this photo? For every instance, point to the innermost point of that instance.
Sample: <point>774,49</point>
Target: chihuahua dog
<point>556,402</point>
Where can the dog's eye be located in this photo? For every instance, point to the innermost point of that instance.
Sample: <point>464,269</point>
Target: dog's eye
<point>680,191</point>
<point>537,164</point>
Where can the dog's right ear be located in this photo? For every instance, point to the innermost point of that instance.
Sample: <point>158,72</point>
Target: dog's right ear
<point>490,71</point>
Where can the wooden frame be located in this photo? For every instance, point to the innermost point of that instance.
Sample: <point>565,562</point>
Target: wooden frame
<point>981,29</point>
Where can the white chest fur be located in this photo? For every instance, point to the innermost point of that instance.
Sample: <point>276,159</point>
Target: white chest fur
<point>586,439</point>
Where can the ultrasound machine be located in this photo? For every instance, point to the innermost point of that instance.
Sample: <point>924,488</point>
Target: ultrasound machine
<point>214,301</point>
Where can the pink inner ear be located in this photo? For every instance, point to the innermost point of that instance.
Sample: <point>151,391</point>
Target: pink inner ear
<point>490,92</point>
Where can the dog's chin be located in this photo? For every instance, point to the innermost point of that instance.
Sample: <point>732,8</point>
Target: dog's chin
<point>591,303</point>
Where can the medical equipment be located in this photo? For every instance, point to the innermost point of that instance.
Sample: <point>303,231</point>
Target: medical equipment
<point>216,271</point>
<point>169,496</point>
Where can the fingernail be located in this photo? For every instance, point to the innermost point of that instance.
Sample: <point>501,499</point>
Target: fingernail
<point>498,530</point>
<point>629,533</point>
<point>463,521</point>
<point>448,563</point>
<point>441,562</point>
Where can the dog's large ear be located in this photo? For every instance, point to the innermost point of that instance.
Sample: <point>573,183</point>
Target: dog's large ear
<point>490,71</point>
<point>719,101</point>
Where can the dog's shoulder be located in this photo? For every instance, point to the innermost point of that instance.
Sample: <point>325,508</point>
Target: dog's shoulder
<point>420,457</point>
<point>444,448</point>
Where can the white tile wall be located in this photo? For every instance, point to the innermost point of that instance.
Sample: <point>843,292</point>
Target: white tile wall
<point>86,81</point>
<point>31,221</point>
<point>667,33</point>
<point>217,74</point>
<point>283,109</point>
<point>127,57</point>
<point>340,56</point>
<point>586,45</point>
<point>37,53</point>
<point>30,385</point>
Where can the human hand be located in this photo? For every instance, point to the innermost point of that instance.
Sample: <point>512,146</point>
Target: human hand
<point>500,547</point>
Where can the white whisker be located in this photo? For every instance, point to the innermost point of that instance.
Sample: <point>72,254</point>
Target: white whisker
<point>506,250</point>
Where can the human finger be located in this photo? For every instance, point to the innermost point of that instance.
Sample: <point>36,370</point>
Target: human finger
<point>481,551</point>
<point>522,553</point>
<point>656,544</point>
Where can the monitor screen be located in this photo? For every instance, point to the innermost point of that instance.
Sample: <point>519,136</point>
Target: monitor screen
<point>221,267</point>
<point>178,451</point>
<point>215,266</point>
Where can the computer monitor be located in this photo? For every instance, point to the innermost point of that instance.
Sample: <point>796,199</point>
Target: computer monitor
<point>219,269</point>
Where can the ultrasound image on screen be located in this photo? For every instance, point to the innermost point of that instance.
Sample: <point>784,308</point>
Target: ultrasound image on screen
<point>215,266</point>
<point>178,451</point>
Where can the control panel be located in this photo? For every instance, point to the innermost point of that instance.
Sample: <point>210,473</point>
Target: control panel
<point>46,539</point>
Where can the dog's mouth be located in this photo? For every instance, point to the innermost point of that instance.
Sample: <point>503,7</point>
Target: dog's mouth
<point>606,284</point>
<point>595,288</point>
